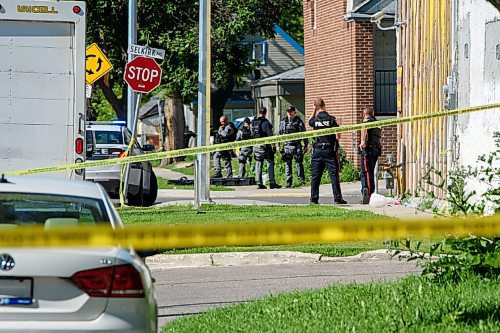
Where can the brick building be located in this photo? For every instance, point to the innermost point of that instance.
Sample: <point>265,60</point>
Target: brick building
<point>351,64</point>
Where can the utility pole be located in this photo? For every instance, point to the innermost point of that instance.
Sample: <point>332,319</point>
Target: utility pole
<point>132,39</point>
<point>202,170</point>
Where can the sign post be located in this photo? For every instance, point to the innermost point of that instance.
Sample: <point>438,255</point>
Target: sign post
<point>202,170</point>
<point>142,74</point>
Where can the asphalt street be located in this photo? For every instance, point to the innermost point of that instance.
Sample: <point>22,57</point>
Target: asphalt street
<point>189,291</point>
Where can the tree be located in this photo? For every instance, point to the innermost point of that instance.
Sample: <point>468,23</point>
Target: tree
<point>173,26</point>
<point>292,20</point>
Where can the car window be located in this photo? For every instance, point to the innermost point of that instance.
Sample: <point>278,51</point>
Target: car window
<point>137,150</point>
<point>43,209</point>
<point>108,137</point>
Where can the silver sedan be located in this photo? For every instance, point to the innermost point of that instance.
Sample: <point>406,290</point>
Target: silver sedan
<point>106,289</point>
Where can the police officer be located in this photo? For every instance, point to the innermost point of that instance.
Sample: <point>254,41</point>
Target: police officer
<point>261,128</point>
<point>293,149</point>
<point>244,133</point>
<point>325,153</point>
<point>370,150</point>
<point>226,133</point>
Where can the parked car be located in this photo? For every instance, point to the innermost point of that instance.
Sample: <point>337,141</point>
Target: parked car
<point>105,289</point>
<point>239,122</point>
<point>110,140</point>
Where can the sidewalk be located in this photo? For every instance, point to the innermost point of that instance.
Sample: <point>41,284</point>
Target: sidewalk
<point>250,195</point>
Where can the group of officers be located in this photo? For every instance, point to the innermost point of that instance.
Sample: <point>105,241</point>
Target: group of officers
<point>324,153</point>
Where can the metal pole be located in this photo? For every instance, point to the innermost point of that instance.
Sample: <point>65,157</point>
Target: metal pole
<point>202,174</point>
<point>160,118</point>
<point>451,121</point>
<point>134,136</point>
<point>132,39</point>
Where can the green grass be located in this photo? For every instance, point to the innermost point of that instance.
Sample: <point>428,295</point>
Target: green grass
<point>411,305</point>
<point>172,215</point>
<point>163,185</point>
<point>175,215</point>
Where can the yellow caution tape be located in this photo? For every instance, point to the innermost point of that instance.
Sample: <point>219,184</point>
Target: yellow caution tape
<point>189,236</point>
<point>253,142</point>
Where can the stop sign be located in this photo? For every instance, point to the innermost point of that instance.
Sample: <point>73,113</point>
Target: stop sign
<point>143,74</point>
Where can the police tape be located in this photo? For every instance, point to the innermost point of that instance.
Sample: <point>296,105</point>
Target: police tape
<point>278,233</point>
<point>247,143</point>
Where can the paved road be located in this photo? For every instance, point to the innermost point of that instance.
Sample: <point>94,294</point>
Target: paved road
<point>187,291</point>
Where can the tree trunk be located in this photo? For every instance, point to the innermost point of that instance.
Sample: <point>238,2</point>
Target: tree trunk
<point>219,100</point>
<point>118,105</point>
<point>174,117</point>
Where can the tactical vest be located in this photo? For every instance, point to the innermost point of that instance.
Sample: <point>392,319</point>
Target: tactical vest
<point>257,128</point>
<point>292,126</point>
<point>373,135</point>
<point>246,133</point>
<point>229,138</point>
<point>324,120</point>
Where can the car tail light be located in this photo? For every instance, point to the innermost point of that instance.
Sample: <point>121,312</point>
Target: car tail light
<point>76,9</point>
<point>127,282</point>
<point>122,154</point>
<point>122,281</point>
<point>79,146</point>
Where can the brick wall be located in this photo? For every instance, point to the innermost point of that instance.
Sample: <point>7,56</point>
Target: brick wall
<point>339,68</point>
<point>389,144</point>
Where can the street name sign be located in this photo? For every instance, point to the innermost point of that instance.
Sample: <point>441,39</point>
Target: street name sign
<point>146,51</point>
<point>143,74</point>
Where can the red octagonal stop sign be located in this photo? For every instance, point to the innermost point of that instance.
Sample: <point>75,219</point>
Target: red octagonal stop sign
<point>143,74</point>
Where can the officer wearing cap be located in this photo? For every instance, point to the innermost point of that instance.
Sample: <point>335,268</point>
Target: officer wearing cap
<point>261,128</point>
<point>370,150</point>
<point>292,150</point>
<point>325,153</point>
<point>244,133</point>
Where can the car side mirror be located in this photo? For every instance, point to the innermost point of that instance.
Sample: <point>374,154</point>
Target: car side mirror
<point>148,147</point>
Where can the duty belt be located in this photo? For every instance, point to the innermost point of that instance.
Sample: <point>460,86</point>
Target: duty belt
<point>324,145</point>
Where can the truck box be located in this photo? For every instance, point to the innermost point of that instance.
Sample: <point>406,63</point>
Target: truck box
<point>42,85</point>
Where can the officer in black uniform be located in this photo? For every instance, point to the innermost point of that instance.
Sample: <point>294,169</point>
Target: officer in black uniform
<point>261,128</point>
<point>370,150</point>
<point>293,149</point>
<point>325,153</point>
<point>244,133</point>
<point>226,133</point>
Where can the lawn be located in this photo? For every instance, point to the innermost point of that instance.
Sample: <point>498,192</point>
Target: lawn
<point>172,215</point>
<point>209,214</point>
<point>410,305</point>
<point>164,185</point>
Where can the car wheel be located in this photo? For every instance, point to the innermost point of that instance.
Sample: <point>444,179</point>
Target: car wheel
<point>150,198</point>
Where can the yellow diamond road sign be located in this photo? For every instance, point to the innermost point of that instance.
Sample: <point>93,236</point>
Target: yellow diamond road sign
<point>96,64</point>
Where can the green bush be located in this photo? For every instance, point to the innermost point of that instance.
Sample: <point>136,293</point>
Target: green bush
<point>349,173</point>
<point>476,255</point>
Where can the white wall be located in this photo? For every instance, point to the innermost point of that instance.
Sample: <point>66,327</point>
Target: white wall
<point>478,78</point>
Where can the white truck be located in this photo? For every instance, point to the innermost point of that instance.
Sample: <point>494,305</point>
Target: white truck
<point>42,85</point>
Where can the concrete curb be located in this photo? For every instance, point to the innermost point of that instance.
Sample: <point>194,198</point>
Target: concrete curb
<point>168,261</point>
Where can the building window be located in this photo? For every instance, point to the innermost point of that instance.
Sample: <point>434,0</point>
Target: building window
<point>385,92</point>
<point>312,6</point>
<point>259,52</point>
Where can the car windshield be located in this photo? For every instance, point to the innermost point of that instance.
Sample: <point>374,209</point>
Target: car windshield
<point>108,138</point>
<point>50,210</point>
